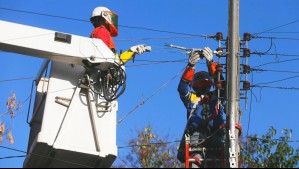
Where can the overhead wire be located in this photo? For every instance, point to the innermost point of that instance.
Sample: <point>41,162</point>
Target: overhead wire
<point>159,38</point>
<point>274,81</point>
<point>34,154</point>
<point>285,32</point>
<point>273,54</point>
<point>273,139</point>
<point>169,142</point>
<point>16,79</point>
<point>276,62</point>
<point>278,38</point>
<point>277,71</point>
<point>295,21</point>
<point>277,87</point>
<point>143,28</point>
<point>10,157</point>
<point>83,20</point>
<point>148,98</point>
<point>158,62</point>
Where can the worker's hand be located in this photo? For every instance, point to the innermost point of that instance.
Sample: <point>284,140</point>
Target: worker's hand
<point>139,49</point>
<point>194,57</point>
<point>207,53</point>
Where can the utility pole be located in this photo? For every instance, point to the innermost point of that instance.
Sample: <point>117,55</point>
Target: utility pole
<point>233,84</point>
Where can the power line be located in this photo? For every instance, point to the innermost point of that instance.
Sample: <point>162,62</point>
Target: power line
<point>163,31</point>
<point>161,38</point>
<point>274,81</point>
<point>284,32</point>
<point>152,95</point>
<point>16,79</point>
<point>272,54</point>
<point>278,38</point>
<point>158,62</point>
<point>42,14</point>
<point>278,27</point>
<point>82,20</point>
<point>169,142</point>
<point>9,157</point>
<point>276,62</point>
<point>21,151</point>
<point>278,71</point>
<point>273,139</point>
<point>276,87</point>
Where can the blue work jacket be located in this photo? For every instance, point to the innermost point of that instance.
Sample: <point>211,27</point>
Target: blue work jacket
<point>208,112</point>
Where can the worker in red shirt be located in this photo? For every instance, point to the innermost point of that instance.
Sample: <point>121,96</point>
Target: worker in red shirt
<point>105,23</point>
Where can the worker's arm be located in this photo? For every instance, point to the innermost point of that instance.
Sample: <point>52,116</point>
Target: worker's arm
<point>126,56</point>
<point>184,85</point>
<point>138,49</point>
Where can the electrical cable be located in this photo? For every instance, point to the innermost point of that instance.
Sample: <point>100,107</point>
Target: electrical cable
<point>277,38</point>
<point>10,157</point>
<point>82,20</point>
<point>27,153</point>
<point>274,81</point>
<point>277,87</point>
<point>277,71</point>
<point>113,81</point>
<point>152,95</point>
<point>109,83</point>
<point>289,60</point>
<point>277,27</point>
<point>280,140</point>
<point>16,79</point>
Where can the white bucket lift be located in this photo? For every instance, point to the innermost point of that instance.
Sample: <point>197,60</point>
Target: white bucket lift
<point>72,125</point>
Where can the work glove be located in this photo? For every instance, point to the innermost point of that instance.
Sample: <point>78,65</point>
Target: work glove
<point>139,49</point>
<point>208,54</point>
<point>194,57</point>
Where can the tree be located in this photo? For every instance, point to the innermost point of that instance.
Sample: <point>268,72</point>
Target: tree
<point>7,117</point>
<point>149,150</point>
<point>267,152</point>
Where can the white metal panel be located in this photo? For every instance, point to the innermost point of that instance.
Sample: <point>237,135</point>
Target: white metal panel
<point>39,42</point>
<point>68,130</point>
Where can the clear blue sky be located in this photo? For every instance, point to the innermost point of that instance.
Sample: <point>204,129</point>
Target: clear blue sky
<point>164,111</point>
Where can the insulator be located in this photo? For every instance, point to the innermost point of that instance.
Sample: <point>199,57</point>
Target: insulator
<point>246,69</point>
<point>219,68</point>
<point>219,49</point>
<point>246,36</point>
<point>246,85</point>
<point>219,36</point>
<point>246,52</point>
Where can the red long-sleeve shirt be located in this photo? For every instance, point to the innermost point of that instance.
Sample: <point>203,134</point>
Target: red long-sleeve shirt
<point>102,33</point>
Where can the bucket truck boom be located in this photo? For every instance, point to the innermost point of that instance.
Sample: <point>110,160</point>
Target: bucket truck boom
<point>73,122</point>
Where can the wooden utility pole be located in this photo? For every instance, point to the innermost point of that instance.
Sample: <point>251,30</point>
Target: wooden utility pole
<point>233,84</point>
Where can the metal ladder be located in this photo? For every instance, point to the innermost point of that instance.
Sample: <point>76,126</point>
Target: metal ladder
<point>199,161</point>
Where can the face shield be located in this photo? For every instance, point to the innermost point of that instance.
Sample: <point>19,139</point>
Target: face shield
<point>112,19</point>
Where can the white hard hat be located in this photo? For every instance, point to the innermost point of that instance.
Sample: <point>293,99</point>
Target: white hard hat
<point>110,17</point>
<point>98,11</point>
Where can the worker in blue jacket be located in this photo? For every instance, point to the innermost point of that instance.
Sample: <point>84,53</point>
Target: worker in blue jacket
<point>205,110</point>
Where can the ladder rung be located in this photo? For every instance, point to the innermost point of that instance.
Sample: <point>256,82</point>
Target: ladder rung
<point>211,159</point>
<point>193,160</point>
<point>196,149</point>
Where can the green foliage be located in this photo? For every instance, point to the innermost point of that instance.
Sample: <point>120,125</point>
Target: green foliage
<point>150,151</point>
<point>267,152</point>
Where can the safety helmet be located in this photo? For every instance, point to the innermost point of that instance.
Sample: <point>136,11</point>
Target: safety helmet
<point>201,79</point>
<point>109,16</point>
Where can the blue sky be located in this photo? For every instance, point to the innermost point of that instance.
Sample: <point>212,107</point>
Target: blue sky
<point>156,23</point>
